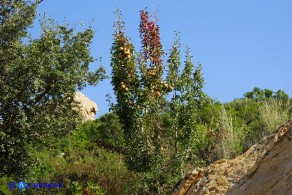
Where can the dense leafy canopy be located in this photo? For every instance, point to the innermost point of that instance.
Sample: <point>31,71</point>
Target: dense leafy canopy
<point>38,79</point>
<point>154,149</point>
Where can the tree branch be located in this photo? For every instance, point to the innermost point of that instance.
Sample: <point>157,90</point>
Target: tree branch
<point>40,1</point>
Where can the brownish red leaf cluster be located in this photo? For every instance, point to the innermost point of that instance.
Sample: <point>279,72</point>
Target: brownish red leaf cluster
<point>149,33</point>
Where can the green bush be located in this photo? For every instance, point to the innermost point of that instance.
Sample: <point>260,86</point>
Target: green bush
<point>4,185</point>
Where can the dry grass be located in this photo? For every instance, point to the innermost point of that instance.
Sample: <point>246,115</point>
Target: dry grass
<point>273,113</point>
<point>231,138</point>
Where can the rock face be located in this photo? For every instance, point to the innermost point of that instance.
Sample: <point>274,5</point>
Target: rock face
<point>266,168</point>
<point>88,107</point>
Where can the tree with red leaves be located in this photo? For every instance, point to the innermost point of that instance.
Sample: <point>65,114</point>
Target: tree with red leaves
<point>150,38</point>
<point>141,100</point>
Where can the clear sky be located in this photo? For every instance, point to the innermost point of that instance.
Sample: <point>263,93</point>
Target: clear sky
<point>240,44</point>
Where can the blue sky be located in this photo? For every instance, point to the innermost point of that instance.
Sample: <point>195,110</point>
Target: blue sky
<point>240,44</point>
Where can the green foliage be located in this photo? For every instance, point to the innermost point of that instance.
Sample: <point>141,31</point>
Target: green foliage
<point>185,103</point>
<point>110,130</point>
<point>105,132</point>
<point>244,122</point>
<point>258,94</point>
<point>90,128</point>
<point>158,151</point>
<point>162,125</point>
<point>282,96</point>
<point>38,78</point>
<point>96,170</point>
<point>138,99</point>
<point>4,185</point>
<point>91,188</point>
<point>81,139</point>
<point>83,165</point>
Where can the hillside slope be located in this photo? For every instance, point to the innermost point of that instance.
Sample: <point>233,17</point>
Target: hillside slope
<point>266,168</point>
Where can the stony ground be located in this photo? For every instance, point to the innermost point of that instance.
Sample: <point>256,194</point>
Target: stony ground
<point>266,168</point>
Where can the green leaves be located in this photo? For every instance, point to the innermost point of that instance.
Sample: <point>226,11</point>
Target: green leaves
<point>38,79</point>
<point>141,104</point>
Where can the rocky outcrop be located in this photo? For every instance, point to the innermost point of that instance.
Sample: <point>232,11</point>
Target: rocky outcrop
<point>87,106</point>
<point>266,168</point>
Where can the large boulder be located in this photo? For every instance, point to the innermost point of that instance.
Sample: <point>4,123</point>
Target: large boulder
<point>266,168</point>
<point>87,106</point>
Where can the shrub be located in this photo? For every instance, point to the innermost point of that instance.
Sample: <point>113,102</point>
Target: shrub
<point>232,137</point>
<point>273,113</point>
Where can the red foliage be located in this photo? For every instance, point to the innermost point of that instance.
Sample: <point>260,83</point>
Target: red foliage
<point>149,33</point>
<point>85,191</point>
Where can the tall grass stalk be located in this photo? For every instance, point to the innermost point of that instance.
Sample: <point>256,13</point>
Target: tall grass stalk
<point>231,137</point>
<point>273,113</point>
